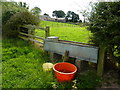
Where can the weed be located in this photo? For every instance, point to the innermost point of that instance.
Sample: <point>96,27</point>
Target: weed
<point>22,66</point>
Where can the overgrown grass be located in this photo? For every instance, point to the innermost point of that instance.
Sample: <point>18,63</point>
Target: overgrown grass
<point>65,31</point>
<point>22,68</point>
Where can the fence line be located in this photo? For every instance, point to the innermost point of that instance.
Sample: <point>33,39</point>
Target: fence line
<point>58,24</point>
<point>31,37</point>
<point>31,33</point>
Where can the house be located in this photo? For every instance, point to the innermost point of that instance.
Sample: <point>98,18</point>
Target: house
<point>60,20</point>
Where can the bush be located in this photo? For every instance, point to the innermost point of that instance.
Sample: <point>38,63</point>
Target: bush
<point>12,27</point>
<point>88,80</point>
<point>105,26</point>
<point>8,9</point>
<point>13,16</point>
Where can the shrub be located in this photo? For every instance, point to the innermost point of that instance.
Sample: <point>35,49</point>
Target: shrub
<point>13,16</point>
<point>105,26</point>
<point>10,8</point>
<point>12,27</point>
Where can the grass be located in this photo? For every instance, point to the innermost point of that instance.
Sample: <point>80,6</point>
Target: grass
<point>65,31</point>
<point>56,24</point>
<point>22,68</point>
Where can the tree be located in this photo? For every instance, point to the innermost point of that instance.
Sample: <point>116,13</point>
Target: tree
<point>13,25</point>
<point>84,14</point>
<point>72,17</point>
<point>23,5</point>
<point>45,14</point>
<point>10,8</point>
<point>36,11</point>
<point>58,14</point>
<point>105,26</point>
<point>14,16</point>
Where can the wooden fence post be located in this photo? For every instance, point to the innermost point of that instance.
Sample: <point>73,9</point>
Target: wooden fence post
<point>47,32</point>
<point>29,33</point>
<point>100,65</point>
<point>65,57</point>
<point>78,64</point>
<point>33,34</point>
<point>52,55</point>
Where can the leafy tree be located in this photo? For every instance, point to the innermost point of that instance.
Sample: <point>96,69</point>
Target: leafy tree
<point>105,26</point>
<point>80,21</point>
<point>13,16</point>
<point>84,14</point>
<point>36,11</point>
<point>13,25</point>
<point>72,17</point>
<point>58,14</point>
<point>10,8</point>
<point>23,5</point>
<point>46,14</point>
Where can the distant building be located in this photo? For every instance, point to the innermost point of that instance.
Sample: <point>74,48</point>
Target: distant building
<point>60,20</point>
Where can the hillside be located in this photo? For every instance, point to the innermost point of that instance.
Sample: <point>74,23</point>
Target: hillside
<point>56,24</point>
<point>65,31</point>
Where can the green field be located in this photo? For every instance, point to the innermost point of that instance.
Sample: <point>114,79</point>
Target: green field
<point>65,31</point>
<point>22,68</point>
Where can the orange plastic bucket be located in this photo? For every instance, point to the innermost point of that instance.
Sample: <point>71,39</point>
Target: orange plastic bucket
<point>64,72</point>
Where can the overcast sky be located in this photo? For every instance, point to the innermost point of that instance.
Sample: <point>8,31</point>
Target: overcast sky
<point>48,6</point>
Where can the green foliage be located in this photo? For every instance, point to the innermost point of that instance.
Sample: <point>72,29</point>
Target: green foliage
<point>88,80</point>
<point>22,66</point>
<point>7,12</point>
<point>36,11</point>
<point>104,24</point>
<point>58,14</point>
<point>9,9</point>
<point>23,5</point>
<point>72,17</point>
<point>85,14</point>
<point>46,14</point>
<point>11,28</point>
<point>13,52</point>
<point>13,16</point>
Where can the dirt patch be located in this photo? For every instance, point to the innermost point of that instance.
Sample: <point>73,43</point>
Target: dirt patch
<point>111,79</point>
